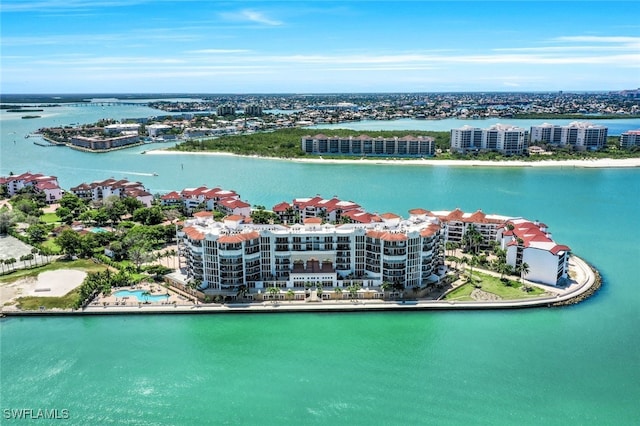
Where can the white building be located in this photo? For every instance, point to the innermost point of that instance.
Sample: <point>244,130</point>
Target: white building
<point>509,140</point>
<point>580,135</point>
<point>198,198</point>
<point>100,190</point>
<point>122,128</point>
<point>39,182</point>
<point>155,130</point>
<point>417,146</point>
<point>531,243</point>
<point>630,138</point>
<point>229,254</point>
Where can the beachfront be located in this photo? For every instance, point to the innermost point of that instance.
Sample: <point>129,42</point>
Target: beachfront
<point>585,163</point>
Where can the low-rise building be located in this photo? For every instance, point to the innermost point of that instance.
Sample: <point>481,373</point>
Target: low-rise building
<point>96,143</point>
<point>363,145</point>
<point>531,243</point>
<point>39,182</point>
<point>100,190</point>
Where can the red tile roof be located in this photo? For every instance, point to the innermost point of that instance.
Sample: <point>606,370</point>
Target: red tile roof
<point>203,214</point>
<point>387,236</point>
<point>173,195</point>
<point>238,238</point>
<point>193,233</point>
<point>282,207</point>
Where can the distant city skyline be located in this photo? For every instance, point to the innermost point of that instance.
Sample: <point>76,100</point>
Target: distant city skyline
<point>190,46</point>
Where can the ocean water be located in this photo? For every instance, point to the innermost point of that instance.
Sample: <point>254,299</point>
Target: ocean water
<point>574,365</point>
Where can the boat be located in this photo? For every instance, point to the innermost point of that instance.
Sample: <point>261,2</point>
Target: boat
<point>155,174</point>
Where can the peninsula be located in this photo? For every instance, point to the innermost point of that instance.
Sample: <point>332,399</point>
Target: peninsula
<point>309,254</point>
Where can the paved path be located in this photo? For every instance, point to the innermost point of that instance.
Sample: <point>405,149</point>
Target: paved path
<point>584,280</point>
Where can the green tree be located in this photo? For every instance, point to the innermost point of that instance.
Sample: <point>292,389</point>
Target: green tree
<point>69,241</point>
<point>7,220</point>
<point>71,201</point>
<point>65,214</point>
<point>37,233</point>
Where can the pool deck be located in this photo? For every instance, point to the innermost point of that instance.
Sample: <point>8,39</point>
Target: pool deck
<point>584,283</point>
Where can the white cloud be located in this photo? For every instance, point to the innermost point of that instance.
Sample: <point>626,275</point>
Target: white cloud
<point>249,15</point>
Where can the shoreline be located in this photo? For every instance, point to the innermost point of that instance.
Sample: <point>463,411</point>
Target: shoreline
<point>589,284</point>
<point>589,163</point>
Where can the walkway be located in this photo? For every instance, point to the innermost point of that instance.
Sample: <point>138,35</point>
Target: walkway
<point>584,280</point>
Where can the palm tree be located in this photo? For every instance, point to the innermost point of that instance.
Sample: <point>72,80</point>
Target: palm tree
<point>472,262</point>
<point>524,270</point>
<point>35,251</point>
<point>273,291</point>
<point>338,292</point>
<point>290,295</point>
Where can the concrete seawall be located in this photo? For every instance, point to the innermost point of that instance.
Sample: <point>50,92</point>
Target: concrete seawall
<point>588,282</point>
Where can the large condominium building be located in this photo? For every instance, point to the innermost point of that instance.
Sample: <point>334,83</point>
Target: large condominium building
<point>508,140</point>
<point>229,254</point>
<point>379,248</point>
<point>39,182</point>
<point>417,146</point>
<point>580,135</point>
<point>630,138</point>
<point>100,190</point>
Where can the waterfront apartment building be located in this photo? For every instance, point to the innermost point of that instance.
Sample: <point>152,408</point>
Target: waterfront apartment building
<point>579,135</point>
<point>95,143</point>
<point>531,243</point>
<point>509,140</point>
<point>380,248</point>
<point>331,210</point>
<point>39,182</point>
<point>203,198</point>
<point>98,191</point>
<point>630,139</point>
<point>232,253</point>
<point>416,146</point>
<point>457,223</point>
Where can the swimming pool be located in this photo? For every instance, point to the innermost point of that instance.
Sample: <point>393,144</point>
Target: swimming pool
<point>139,294</point>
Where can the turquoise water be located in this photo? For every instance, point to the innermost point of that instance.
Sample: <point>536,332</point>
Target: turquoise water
<point>567,366</point>
<point>98,230</point>
<point>139,294</point>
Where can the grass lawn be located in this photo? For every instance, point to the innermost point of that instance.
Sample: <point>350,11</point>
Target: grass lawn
<point>493,285</point>
<point>49,218</point>
<point>83,264</point>
<point>32,303</point>
<point>461,293</point>
<point>51,245</point>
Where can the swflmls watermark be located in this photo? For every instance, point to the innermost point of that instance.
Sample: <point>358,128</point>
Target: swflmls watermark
<point>35,414</point>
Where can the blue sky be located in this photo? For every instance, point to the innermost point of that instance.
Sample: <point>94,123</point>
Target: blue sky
<point>108,46</point>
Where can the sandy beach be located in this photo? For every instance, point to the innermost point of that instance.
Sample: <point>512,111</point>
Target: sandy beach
<point>47,284</point>
<point>587,163</point>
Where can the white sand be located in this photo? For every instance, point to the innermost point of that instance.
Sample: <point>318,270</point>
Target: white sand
<point>47,284</point>
<point>588,163</point>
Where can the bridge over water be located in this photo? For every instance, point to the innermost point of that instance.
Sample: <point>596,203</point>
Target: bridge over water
<point>106,103</point>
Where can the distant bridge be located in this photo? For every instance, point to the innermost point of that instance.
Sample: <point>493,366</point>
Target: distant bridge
<point>105,104</point>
